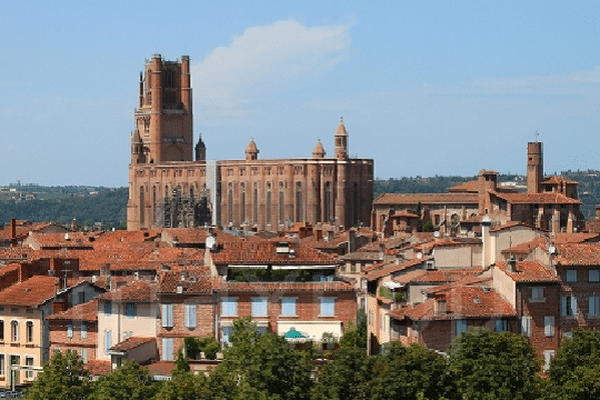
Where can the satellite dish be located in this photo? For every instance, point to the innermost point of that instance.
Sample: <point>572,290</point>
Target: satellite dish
<point>419,255</point>
<point>210,242</point>
<point>552,250</point>
<point>436,234</point>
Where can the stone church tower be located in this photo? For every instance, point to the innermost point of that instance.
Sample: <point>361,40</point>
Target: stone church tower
<point>168,188</point>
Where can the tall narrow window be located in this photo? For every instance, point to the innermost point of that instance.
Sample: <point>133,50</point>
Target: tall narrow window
<point>242,203</point>
<point>327,205</point>
<point>549,325</point>
<point>107,308</point>
<point>526,326</point>
<point>1,330</point>
<point>355,205</point>
<point>594,305</point>
<point>84,330</point>
<point>29,329</point>
<point>14,331</point>
<point>130,310</point>
<point>299,205</point>
<point>461,326</point>
<point>29,363</point>
<point>568,305</point>
<point>167,350</point>
<point>190,315</point>
<point>2,365</point>
<point>107,341</point>
<point>269,204</point>
<point>255,203</point>
<point>230,202</point>
<point>167,315</point>
<point>142,205</point>
<point>281,205</point>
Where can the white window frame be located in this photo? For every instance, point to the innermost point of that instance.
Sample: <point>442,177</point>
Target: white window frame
<point>2,364</point>
<point>326,306</point>
<point>70,330</point>
<point>549,325</point>
<point>167,315</point>
<point>287,303</point>
<point>568,305</point>
<point>229,307</point>
<point>29,331</point>
<point>548,356</point>
<point>526,326</point>
<point>260,306</point>
<point>29,373</point>
<point>14,331</point>
<point>190,315</point>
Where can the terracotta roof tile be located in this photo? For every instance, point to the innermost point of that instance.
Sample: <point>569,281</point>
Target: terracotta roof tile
<point>578,254</point>
<point>192,281</point>
<point>461,302</point>
<point>410,199</point>
<point>437,276</point>
<point>98,368</point>
<point>32,292</point>
<point>264,252</point>
<point>392,268</point>
<point>528,271</point>
<point>132,343</point>
<point>469,186</point>
<point>536,198</point>
<point>81,312</point>
<point>136,291</point>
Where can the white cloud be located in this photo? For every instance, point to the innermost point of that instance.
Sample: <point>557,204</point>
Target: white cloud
<point>266,58</point>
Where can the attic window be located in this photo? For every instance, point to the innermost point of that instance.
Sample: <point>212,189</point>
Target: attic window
<point>282,248</point>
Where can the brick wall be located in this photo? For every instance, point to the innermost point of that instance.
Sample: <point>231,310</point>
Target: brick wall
<point>59,338</point>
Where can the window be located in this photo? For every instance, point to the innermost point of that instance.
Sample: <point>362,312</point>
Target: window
<point>107,341</point>
<point>327,306</point>
<point>259,306</point>
<point>190,315</point>
<point>107,308</point>
<point>548,356</point>
<point>14,331</point>
<point>81,296</point>
<point>571,275</point>
<point>461,326</point>
<point>549,325</point>
<point>594,275</point>
<point>501,325</point>
<point>167,315</point>
<point>537,294</point>
<point>225,333</point>
<point>526,326</point>
<point>29,329</point>
<point>84,330</point>
<point>568,306</point>
<point>229,307</point>
<point>130,310</point>
<point>1,330</point>
<point>288,306</point>
<point>2,365</point>
<point>594,303</point>
<point>69,331</point>
<point>84,356</point>
<point>29,363</point>
<point>167,349</point>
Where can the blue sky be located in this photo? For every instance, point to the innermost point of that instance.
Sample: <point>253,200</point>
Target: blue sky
<point>425,88</point>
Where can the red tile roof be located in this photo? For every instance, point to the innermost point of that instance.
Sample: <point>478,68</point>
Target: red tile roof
<point>32,292</point>
<point>81,312</point>
<point>385,269</point>
<point>578,254</point>
<point>334,286</point>
<point>264,252</point>
<point>462,302</point>
<point>528,271</point>
<point>426,198</point>
<point>132,343</point>
<point>197,280</point>
<point>437,276</point>
<point>469,186</point>
<point>98,368</point>
<point>136,291</point>
<point>536,198</point>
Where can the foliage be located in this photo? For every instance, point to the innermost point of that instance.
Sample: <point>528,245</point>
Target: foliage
<point>574,370</point>
<point>62,378</point>
<point>184,385</point>
<point>428,227</point>
<point>409,373</point>
<point>494,365</point>
<point>264,365</point>
<point>352,338</point>
<point>128,382</point>
<point>210,346</point>
<point>192,347</point>
<point>182,363</point>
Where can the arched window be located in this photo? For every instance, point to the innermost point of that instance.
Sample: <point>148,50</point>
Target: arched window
<point>269,203</point>
<point>281,205</point>
<point>255,203</point>
<point>230,202</point>
<point>299,210</point>
<point>327,206</point>
<point>242,203</point>
<point>142,205</point>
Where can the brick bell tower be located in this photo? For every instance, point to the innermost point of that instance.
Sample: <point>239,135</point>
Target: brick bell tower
<point>164,115</point>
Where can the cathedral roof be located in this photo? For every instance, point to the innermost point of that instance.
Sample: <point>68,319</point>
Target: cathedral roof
<point>251,148</point>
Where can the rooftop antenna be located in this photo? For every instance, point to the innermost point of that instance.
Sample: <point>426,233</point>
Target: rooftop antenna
<point>536,135</point>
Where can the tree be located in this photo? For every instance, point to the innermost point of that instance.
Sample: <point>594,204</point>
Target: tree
<point>264,365</point>
<point>62,378</point>
<point>411,372</point>
<point>128,382</point>
<point>184,385</point>
<point>494,365</point>
<point>346,377</point>
<point>574,370</point>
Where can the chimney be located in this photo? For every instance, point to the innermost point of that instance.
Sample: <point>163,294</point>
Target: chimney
<point>486,251</point>
<point>13,233</point>
<point>351,240</point>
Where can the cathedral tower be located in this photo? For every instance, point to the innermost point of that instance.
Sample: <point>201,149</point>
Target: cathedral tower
<point>535,167</point>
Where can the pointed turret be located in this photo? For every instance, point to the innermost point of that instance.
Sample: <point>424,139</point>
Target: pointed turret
<point>200,150</point>
<point>137,148</point>
<point>251,151</point>
<point>318,151</point>
<point>341,141</point>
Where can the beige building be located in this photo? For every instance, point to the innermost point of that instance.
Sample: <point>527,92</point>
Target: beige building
<point>169,188</point>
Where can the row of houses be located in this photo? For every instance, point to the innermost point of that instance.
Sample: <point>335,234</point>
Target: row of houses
<point>118,296</point>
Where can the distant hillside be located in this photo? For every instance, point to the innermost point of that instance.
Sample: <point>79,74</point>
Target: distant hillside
<point>89,205</point>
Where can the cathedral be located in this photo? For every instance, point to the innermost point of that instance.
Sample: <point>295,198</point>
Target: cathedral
<point>172,184</point>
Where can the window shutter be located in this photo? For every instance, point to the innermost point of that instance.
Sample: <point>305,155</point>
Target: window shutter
<point>526,326</point>
<point>70,330</point>
<point>574,305</point>
<point>549,325</point>
<point>563,306</point>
